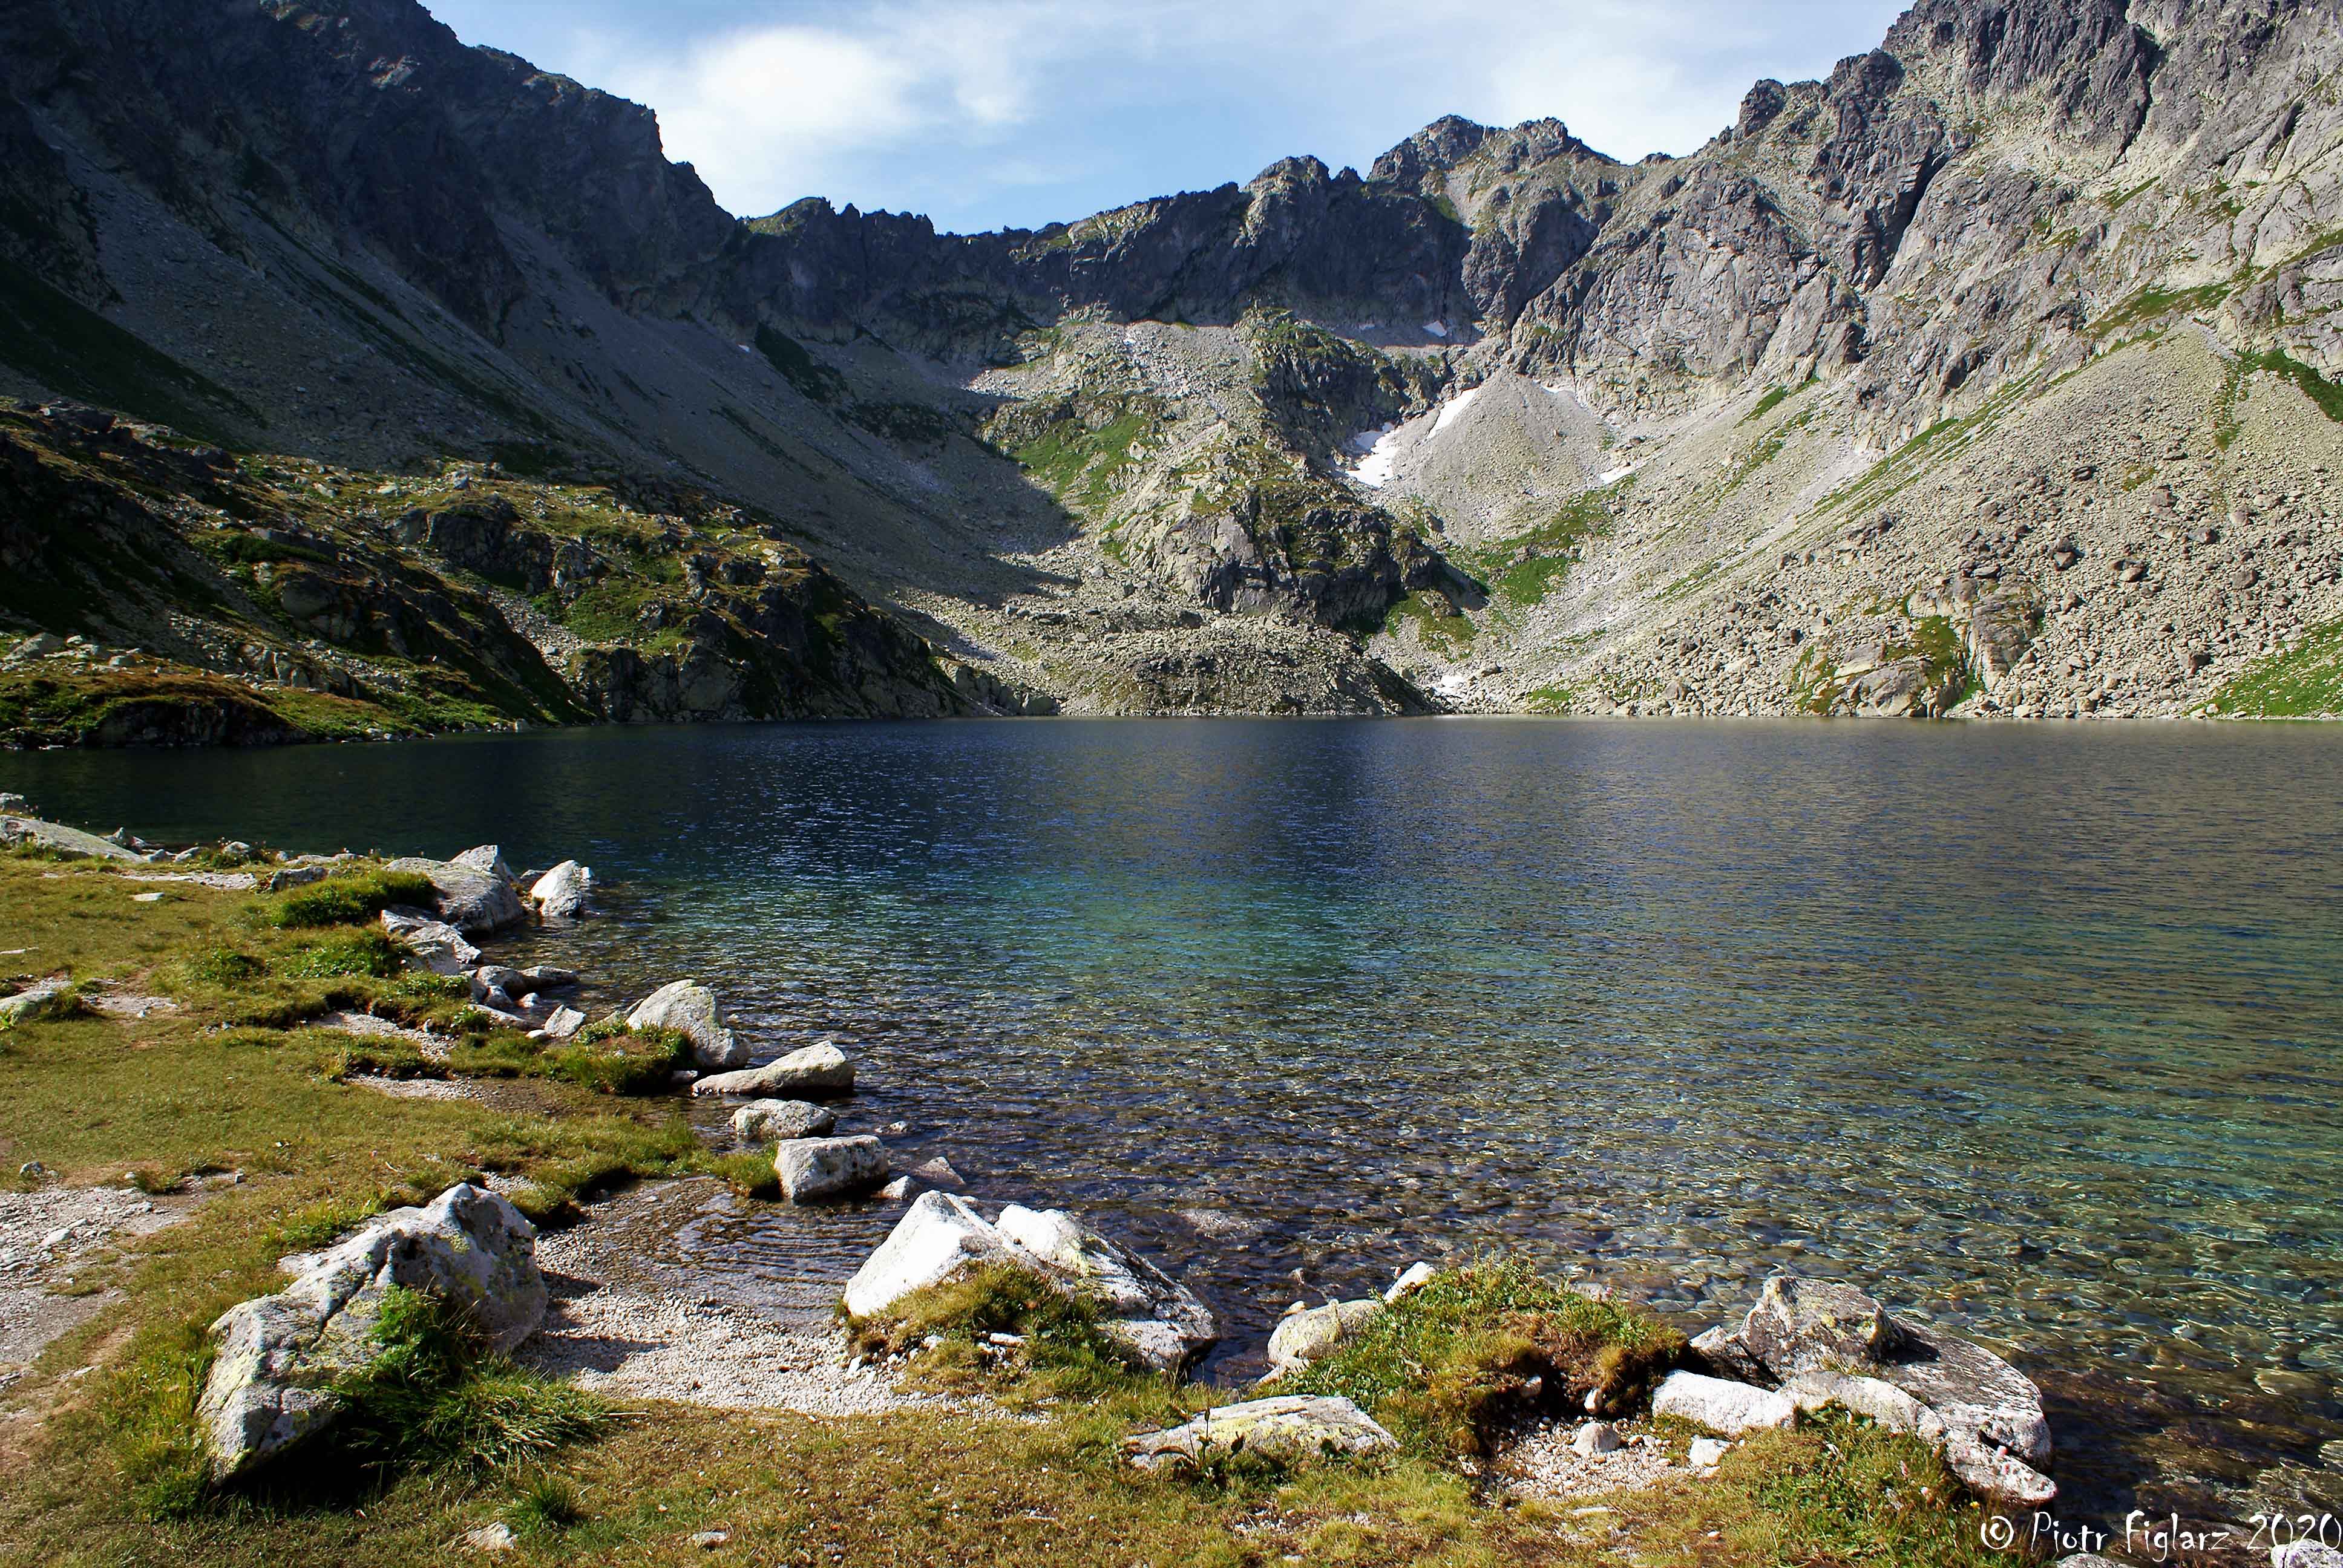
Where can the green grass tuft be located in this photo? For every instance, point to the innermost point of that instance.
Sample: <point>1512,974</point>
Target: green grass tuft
<point>1065,1354</point>
<point>749,1172</point>
<point>432,1399</point>
<point>350,899</point>
<point>1446,1367</point>
<point>2315,386</point>
<point>1835,1489</point>
<point>548,1505</point>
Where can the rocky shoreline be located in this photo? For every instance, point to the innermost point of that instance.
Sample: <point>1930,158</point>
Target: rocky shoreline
<point>1805,1349</point>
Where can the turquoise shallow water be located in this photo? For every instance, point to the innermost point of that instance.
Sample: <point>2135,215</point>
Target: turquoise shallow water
<point>2037,1030</point>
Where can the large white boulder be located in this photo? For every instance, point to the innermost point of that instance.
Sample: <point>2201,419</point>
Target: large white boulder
<point>1715,1405</point>
<point>488,860</point>
<point>1288,1427</point>
<point>822,1069</point>
<point>56,835</point>
<point>824,1169</point>
<point>472,901</point>
<point>562,893</point>
<point>278,1357</point>
<point>690,1009</point>
<point>944,1235</point>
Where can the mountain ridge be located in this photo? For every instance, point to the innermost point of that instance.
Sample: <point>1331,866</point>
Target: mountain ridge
<point>1049,451</point>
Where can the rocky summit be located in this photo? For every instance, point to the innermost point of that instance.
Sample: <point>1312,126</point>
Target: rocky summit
<point>371,384</point>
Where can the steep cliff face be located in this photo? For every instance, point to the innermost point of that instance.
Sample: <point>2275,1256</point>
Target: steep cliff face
<point>1505,418</point>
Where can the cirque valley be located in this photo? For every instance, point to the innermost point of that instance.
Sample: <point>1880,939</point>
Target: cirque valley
<point>1993,376</point>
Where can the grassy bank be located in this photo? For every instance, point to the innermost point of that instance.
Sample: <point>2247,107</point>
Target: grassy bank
<point>234,1077</point>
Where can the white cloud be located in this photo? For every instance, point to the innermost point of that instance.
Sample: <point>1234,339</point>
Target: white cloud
<point>985,111</point>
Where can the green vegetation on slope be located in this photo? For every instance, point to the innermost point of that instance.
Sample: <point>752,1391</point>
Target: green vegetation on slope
<point>331,604</point>
<point>2315,386</point>
<point>1521,571</point>
<point>1081,465</point>
<point>2304,682</point>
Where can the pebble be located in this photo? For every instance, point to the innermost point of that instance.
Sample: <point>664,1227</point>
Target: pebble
<point>1596,1437</point>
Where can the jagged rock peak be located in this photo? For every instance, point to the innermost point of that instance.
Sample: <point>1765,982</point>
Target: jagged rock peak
<point>1435,149</point>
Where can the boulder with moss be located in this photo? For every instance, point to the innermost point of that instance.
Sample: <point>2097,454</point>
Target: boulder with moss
<point>692,1011</point>
<point>61,840</point>
<point>1471,1352</point>
<point>35,1003</point>
<point>944,1236</point>
<point>1304,1337</point>
<point>1827,1342</point>
<point>281,1359</point>
<point>1284,1430</point>
<point>474,902</point>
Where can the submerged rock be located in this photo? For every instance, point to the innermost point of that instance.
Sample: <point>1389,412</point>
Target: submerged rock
<point>824,1169</point>
<point>944,1236</point>
<point>562,892</point>
<point>778,1121</point>
<point>817,1069</point>
<point>691,1009</point>
<point>278,1357</point>
<point>1718,1406</point>
<point>1288,1427</point>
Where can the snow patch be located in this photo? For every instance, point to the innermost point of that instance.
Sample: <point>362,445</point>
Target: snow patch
<point>1616,474</point>
<point>1436,328</point>
<point>1452,409</point>
<point>1378,453</point>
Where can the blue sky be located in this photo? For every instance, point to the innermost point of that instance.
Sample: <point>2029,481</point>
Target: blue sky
<point>990,113</point>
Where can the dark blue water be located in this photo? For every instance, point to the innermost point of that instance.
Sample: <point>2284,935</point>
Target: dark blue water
<point>2036,1030</point>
